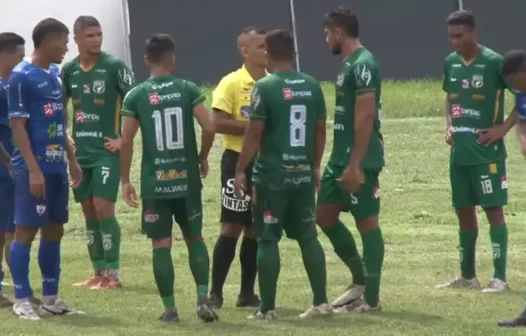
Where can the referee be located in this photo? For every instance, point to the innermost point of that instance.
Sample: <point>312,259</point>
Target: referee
<point>231,105</point>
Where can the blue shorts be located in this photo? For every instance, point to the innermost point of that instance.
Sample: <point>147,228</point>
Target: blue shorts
<point>7,205</point>
<point>30,211</point>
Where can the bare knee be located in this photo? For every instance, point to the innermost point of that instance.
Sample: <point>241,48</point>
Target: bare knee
<point>104,208</point>
<point>162,243</point>
<point>367,224</point>
<point>467,218</point>
<point>52,232</point>
<point>25,234</point>
<point>189,240</point>
<point>248,232</point>
<point>88,209</point>
<point>327,215</point>
<point>231,230</point>
<point>495,215</point>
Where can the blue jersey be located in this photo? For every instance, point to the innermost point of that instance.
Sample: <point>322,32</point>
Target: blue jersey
<point>6,136</point>
<point>36,94</point>
<point>520,104</point>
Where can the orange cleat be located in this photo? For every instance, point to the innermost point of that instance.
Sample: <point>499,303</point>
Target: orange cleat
<point>90,282</point>
<point>107,283</point>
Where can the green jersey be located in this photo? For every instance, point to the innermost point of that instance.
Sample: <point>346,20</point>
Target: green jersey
<point>163,107</point>
<point>289,104</point>
<point>475,93</point>
<point>358,75</point>
<point>96,96</point>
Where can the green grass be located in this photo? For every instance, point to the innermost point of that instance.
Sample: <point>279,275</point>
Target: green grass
<point>419,226</point>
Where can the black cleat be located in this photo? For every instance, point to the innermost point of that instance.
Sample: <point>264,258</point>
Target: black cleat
<point>519,321</point>
<point>205,312</point>
<point>216,301</point>
<point>248,301</point>
<point>170,316</point>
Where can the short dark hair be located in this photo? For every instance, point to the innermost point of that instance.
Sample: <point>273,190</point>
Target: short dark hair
<point>85,21</point>
<point>254,29</point>
<point>10,41</point>
<point>46,27</point>
<point>344,19</point>
<point>280,45</point>
<point>158,46</point>
<point>514,61</point>
<point>462,17</point>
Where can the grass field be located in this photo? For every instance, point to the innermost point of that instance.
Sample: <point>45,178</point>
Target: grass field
<point>419,227</point>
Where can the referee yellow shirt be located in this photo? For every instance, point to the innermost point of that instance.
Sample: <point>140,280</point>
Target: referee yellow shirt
<point>232,96</point>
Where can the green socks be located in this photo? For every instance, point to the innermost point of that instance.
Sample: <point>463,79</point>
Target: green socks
<point>95,250</point>
<point>163,272</point>
<point>199,265</point>
<point>468,242</point>
<point>373,256</point>
<point>314,262</point>
<point>345,247</point>
<point>268,263</point>
<point>499,243</point>
<point>111,242</point>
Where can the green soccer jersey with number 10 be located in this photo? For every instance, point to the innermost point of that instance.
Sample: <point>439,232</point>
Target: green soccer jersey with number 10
<point>96,96</point>
<point>359,75</point>
<point>475,93</point>
<point>289,104</point>
<point>163,107</point>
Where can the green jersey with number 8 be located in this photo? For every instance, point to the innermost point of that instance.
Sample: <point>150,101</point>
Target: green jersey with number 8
<point>290,104</point>
<point>164,106</point>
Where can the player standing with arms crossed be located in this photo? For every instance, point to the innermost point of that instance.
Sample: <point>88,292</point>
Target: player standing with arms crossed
<point>12,52</point>
<point>38,121</point>
<point>475,129</point>
<point>231,104</point>
<point>96,82</point>
<point>287,126</point>
<point>350,180</point>
<point>164,107</point>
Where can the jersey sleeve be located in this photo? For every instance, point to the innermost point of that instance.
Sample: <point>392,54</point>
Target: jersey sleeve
<point>17,96</point>
<point>501,82</point>
<point>196,95</point>
<point>130,105</point>
<point>224,95</point>
<point>258,105</point>
<point>445,77</point>
<point>125,78</point>
<point>365,77</point>
<point>321,108</point>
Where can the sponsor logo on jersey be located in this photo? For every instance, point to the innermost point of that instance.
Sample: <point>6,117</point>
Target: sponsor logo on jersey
<point>87,88</point>
<point>126,76</point>
<point>168,175</point>
<point>99,101</point>
<point>477,81</point>
<point>294,81</point>
<point>339,110</point>
<point>362,75</point>
<point>463,129</point>
<point>150,216</point>
<point>292,157</point>
<point>156,98</point>
<point>339,127</point>
<point>297,168</point>
<point>376,192</point>
<point>268,218</point>
<point>55,153</point>
<point>340,79</point>
<point>169,160</point>
<point>298,180</point>
<point>41,209</point>
<point>100,70</point>
<point>99,86</point>
<point>48,110</point>
<point>55,130</point>
<point>245,111</point>
<point>81,117</point>
<point>85,134</point>
<point>465,84</point>
<point>504,182</point>
<point>42,85</point>
<point>230,201</point>
<point>457,111</point>
<point>289,94</point>
<point>171,189</point>
<point>162,86</point>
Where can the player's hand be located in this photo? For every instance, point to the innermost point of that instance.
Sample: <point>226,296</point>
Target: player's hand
<point>112,145</point>
<point>240,185</point>
<point>129,194</point>
<point>203,168</point>
<point>37,185</point>
<point>75,174</point>
<point>317,179</point>
<point>352,178</point>
<point>71,142</point>
<point>491,135</point>
<point>449,135</point>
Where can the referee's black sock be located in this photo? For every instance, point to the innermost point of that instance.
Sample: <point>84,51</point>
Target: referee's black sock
<point>224,253</point>
<point>247,256</point>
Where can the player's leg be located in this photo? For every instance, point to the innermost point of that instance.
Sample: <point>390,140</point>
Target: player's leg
<point>157,225</point>
<point>331,198</point>
<point>105,189</point>
<point>7,228</point>
<point>365,208</point>
<point>188,213</point>
<point>492,195</point>
<point>464,201</point>
<point>300,224</point>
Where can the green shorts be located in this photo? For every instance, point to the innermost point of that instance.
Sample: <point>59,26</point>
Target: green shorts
<point>276,210</point>
<point>100,181</point>
<point>362,204</point>
<point>483,185</point>
<point>158,216</point>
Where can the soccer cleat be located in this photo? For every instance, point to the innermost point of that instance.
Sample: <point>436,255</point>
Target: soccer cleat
<point>170,316</point>
<point>496,285</point>
<point>25,311</point>
<point>216,301</point>
<point>519,321</point>
<point>59,307</point>
<point>248,301</point>
<point>90,282</point>
<point>461,283</point>
<point>358,306</point>
<point>354,292</point>
<point>258,315</point>
<point>107,283</point>
<point>322,310</point>
<point>4,301</point>
<point>205,312</point>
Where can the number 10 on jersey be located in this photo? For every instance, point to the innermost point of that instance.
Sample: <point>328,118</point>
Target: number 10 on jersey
<point>165,123</point>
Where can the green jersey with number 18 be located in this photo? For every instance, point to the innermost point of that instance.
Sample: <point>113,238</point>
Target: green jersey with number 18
<point>289,104</point>
<point>163,107</point>
<point>96,96</point>
<point>359,75</point>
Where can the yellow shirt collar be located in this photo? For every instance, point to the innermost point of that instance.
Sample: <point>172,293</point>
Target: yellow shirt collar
<point>246,75</point>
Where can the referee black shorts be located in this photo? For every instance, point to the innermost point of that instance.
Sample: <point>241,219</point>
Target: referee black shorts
<point>234,210</point>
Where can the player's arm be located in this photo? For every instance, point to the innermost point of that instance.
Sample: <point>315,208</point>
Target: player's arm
<point>444,87</point>
<point>18,100</point>
<point>223,99</point>
<point>207,130</point>
<point>521,133</point>
<point>70,148</point>
<point>130,126</point>
<point>321,130</point>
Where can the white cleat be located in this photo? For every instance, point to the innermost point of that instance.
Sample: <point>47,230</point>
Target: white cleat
<point>316,311</point>
<point>353,293</point>
<point>461,283</point>
<point>59,307</point>
<point>270,315</point>
<point>25,311</point>
<point>496,285</point>
<point>358,306</point>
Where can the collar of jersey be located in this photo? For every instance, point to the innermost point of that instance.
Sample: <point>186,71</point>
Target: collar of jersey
<point>246,77</point>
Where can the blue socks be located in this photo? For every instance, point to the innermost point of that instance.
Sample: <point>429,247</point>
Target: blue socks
<point>20,270</point>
